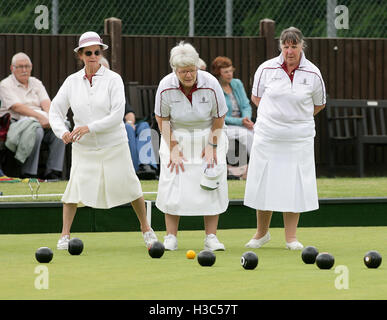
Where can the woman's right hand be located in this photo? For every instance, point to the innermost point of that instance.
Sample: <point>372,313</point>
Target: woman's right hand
<point>176,160</point>
<point>66,138</point>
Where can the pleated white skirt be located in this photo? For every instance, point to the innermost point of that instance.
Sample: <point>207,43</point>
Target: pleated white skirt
<point>103,178</point>
<point>281,176</point>
<point>181,194</point>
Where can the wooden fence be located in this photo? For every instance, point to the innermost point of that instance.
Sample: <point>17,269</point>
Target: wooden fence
<point>351,68</point>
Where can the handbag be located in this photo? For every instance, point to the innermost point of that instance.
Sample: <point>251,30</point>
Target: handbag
<point>5,121</point>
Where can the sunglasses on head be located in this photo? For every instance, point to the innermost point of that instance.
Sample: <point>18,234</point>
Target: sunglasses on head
<point>96,52</point>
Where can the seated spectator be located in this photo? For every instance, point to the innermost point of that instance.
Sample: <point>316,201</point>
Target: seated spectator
<point>140,144</point>
<point>202,65</point>
<point>238,118</point>
<point>25,98</point>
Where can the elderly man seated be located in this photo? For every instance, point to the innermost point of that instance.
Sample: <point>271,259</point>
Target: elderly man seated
<point>26,100</point>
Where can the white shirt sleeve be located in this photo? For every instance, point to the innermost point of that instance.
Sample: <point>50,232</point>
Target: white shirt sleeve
<point>117,111</point>
<point>319,94</point>
<point>219,106</point>
<point>8,96</point>
<point>162,108</point>
<point>259,82</point>
<point>58,111</point>
<point>41,91</point>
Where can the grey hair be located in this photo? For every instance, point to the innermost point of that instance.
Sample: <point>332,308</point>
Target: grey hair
<point>292,35</point>
<point>183,55</point>
<point>202,65</point>
<point>20,56</point>
<point>104,62</point>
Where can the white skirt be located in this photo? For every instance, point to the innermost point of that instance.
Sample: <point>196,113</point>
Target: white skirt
<point>181,194</point>
<point>281,176</point>
<point>103,178</point>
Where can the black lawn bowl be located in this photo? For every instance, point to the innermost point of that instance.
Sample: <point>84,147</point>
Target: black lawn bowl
<point>325,260</point>
<point>75,246</point>
<point>156,250</point>
<point>249,260</point>
<point>206,258</point>
<point>309,255</point>
<point>372,259</point>
<point>44,255</point>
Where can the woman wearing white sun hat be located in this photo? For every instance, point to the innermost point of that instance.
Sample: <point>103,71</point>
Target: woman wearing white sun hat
<point>102,174</point>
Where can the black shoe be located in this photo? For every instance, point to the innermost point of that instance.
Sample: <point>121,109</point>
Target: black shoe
<point>53,176</point>
<point>28,176</point>
<point>232,177</point>
<point>146,172</point>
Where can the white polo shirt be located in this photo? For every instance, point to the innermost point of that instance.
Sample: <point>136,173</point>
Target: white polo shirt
<point>100,106</point>
<point>12,92</point>
<point>286,108</point>
<point>208,102</point>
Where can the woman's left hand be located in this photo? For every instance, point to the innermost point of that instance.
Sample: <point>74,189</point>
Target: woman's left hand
<point>248,123</point>
<point>78,133</point>
<point>209,154</point>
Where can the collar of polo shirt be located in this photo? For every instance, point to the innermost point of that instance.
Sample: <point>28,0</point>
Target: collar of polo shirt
<point>302,63</point>
<point>18,83</point>
<point>99,72</point>
<point>200,81</point>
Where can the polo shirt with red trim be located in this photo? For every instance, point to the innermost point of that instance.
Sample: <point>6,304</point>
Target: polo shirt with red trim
<point>195,110</point>
<point>189,95</point>
<point>291,75</point>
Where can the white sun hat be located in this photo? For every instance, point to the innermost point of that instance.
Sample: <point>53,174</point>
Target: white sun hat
<point>90,38</point>
<point>211,178</point>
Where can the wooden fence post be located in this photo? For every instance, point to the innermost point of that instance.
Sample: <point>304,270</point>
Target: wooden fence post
<point>267,30</point>
<point>113,28</point>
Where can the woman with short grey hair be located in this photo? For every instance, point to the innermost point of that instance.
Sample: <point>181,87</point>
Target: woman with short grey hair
<point>190,109</point>
<point>288,91</point>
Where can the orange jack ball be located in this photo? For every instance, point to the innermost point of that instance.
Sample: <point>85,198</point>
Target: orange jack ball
<point>190,254</point>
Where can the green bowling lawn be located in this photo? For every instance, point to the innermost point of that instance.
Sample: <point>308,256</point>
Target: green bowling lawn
<point>327,188</point>
<point>117,266</point>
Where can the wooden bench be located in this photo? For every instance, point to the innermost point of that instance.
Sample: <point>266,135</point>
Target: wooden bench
<point>358,123</point>
<point>142,99</point>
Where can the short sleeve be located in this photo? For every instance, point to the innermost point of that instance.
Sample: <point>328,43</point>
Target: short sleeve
<point>219,106</point>
<point>162,107</point>
<point>259,82</point>
<point>319,95</point>
<point>42,92</point>
<point>8,96</point>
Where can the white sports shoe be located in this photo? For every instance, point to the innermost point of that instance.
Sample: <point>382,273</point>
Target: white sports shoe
<point>257,243</point>
<point>170,242</point>
<point>212,243</point>
<point>63,242</point>
<point>149,238</point>
<point>295,245</point>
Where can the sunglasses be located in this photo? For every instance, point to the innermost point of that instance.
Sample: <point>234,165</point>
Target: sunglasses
<point>96,52</point>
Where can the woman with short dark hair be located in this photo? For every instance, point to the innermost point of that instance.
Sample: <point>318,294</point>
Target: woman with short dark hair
<point>288,91</point>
